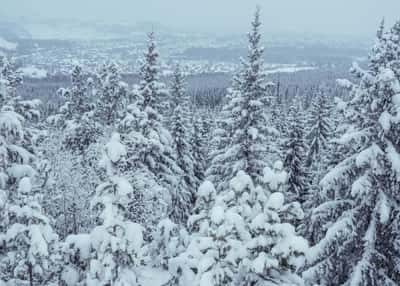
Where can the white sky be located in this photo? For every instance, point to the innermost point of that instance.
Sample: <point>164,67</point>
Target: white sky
<point>352,17</point>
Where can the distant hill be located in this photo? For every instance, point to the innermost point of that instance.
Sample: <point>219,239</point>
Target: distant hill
<point>64,29</point>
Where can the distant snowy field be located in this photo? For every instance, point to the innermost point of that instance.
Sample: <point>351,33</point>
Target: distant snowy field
<point>6,45</point>
<point>33,72</point>
<point>289,69</point>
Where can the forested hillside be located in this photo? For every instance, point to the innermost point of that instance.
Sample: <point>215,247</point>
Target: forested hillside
<point>116,180</point>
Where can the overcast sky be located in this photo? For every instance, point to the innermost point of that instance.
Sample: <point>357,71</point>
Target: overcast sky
<point>315,16</point>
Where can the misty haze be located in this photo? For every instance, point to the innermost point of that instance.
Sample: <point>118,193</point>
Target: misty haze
<point>199,143</point>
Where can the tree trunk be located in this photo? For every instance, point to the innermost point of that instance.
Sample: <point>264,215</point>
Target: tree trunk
<point>30,271</point>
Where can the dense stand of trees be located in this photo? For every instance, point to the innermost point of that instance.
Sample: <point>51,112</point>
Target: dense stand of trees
<point>270,190</point>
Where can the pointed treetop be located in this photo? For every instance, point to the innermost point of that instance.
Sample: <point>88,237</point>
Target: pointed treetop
<point>76,72</point>
<point>381,28</point>
<point>254,35</point>
<point>149,72</point>
<point>256,20</point>
<point>151,47</point>
<point>178,86</point>
<point>77,79</point>
<point>396,27</point>
<point>150,37</point>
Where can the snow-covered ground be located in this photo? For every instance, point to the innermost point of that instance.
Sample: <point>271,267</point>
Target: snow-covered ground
<point>6,45</point>
<point>290,69</point>
<point>152,277</point>
<point>33,72</point>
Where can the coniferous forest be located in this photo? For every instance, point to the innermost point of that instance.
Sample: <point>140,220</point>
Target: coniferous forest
<point>120,184</point>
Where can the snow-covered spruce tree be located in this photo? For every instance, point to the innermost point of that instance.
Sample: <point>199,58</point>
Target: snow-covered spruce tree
<point>74,259</point>
<point>11,79</point>
<point>275,251</point>
<point>69,149</point>
<point>16,138</point>
<point>241,236</point>
<point>379,50</point>
<point>76,117</point>
<point>150,155</point>
<point>177,90</point>
<point>198,143</point>
<point>154,92</point>
<point>17,135</point>
<point>218,247</point>
<point>150,199</point>
<point>78,99</point>
<point>116,242</point>
<point>217,241</point>
<point>244,124</point>
<point>320,134</point>
<point>279,110</point>
<point>10,100</point>
<point>26,238</point>
<point>205,200</point>
<point>221,137</point>
<point>182,268</point>
<point>112,95</point>
<point>295,157</point>
<point>67,181</point>
<point>337,152</point>
<point>180,133</point>
<point>320,145</point>
<point>76,249</point>
<point>168,242</point>
<point>360,215</point>
<point>206,125</point>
